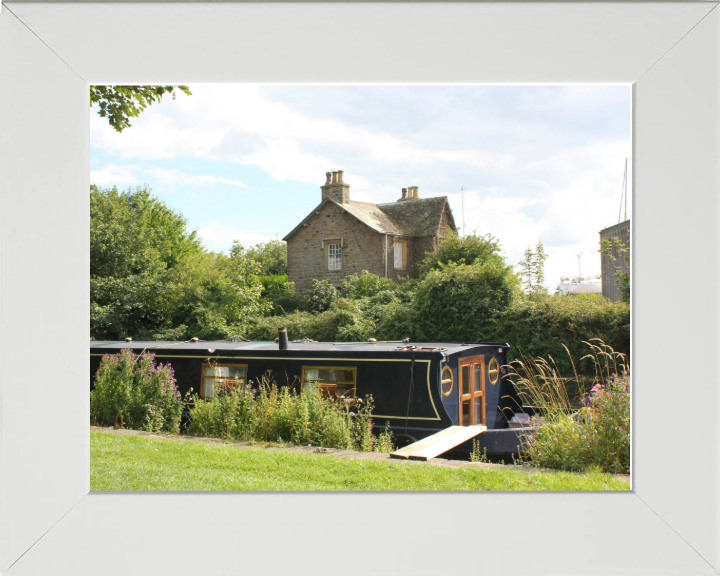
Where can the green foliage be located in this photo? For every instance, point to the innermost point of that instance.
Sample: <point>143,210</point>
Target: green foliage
<point>321,295</point>
<point>533,270</point>
<point>597,434</point>
<point>539,326</point>
<point>281,294</point>
<point>280,414</point>
<point>468,250</point>
<point>613,250</point>
<point>365,285</point>
<point>345,321</point>
<point>120,103</point>
<point>150,279</point>
<point>478,455</point>
<point>132,232</point>
<point>133,392</point>
<point>135,240</point>
<point>460,303</point>
<point>214,295</point>
<point>272,256</point>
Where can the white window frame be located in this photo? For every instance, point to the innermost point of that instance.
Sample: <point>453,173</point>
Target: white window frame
<point>334,256</point>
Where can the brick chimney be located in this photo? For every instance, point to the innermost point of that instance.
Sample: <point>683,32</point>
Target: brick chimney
<point>410,193</point>
<point>335,188</point>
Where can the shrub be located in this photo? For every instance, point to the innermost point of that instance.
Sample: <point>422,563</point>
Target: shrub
<point>133,392</point>
<point>281,414</point>
<point>345,321</point>
<point>597,435</point>
<point>460,303</point>
<point>540,326</point>
<point>281,294</point>
<point>365,285</point>
<point>321,295</point>
<point>468,250</point>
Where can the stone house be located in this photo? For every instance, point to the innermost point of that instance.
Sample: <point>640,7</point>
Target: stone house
<point>342,237</point>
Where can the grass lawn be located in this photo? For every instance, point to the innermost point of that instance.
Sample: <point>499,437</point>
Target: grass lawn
<point>132,463</point>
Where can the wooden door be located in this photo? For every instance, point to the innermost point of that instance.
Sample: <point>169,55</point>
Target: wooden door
<point>472,390</point>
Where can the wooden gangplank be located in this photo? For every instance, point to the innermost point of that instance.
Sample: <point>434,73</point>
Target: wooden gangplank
<point>439,443</point>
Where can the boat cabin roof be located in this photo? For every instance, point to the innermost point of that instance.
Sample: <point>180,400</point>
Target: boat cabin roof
<point>447,348</point>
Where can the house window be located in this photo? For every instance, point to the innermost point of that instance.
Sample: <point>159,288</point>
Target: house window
<point>334,258</point>
<point>334,381</point>
<point>399,254</point>
<point>222,375</point>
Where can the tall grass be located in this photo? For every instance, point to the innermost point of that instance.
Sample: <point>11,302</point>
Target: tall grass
<point>577,433</point>
<point>271,413</point>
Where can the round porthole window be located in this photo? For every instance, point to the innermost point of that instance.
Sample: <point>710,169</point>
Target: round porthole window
<point>493,371</point>
<point>446,381</point>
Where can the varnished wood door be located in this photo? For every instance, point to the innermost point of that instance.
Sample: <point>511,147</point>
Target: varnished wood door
<point>472,390</point>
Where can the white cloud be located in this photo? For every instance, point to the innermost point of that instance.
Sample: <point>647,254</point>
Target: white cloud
<point>165,176</point>
<point>112,175</point>
<point>218,236</point>
<point>539,163</point>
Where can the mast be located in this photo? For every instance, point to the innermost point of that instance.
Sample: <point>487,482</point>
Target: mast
<point>623,193</point>
<point>462,196</point>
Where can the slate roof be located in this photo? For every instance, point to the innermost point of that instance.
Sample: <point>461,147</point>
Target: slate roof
<point>420,217</point>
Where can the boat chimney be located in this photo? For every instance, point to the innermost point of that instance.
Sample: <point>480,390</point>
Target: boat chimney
<point>282,339</point>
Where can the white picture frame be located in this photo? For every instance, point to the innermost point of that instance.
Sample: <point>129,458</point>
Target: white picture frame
<point>50,524</point>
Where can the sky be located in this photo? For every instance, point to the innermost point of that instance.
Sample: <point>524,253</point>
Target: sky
<point>245,162</point>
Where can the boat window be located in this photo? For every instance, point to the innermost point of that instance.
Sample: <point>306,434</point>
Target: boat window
<point>336,381</point>
<point>446,380</point>
<point>223,375</point>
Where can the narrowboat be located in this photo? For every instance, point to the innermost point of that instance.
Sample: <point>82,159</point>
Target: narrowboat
<point>418,388</point>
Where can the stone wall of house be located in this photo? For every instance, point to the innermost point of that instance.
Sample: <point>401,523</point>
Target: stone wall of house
<point>363,248</point>
<point>447,224</point>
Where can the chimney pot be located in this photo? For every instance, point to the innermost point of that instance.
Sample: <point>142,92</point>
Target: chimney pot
<point>404,193</point>
<point>282,338</point>
<point>340,176</point>
<point>328,177</point>
<point>334,177</point>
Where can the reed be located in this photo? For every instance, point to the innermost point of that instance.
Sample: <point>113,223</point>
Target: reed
<point>577,433</point>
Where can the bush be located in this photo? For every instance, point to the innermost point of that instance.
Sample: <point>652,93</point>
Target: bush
<point>321,295</point>
<point>345,321</point>
<point>280,414</point>
<point>365,285</point>
<point>468,250</point>
<point>134,392</point>
<point>281,294</point>
<point>460,303</point>
<point>540,326</point>
<point>596,435</point>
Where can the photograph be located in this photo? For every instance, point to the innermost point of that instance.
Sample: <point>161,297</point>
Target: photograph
<point>360,287</point>
<point>365,284</point>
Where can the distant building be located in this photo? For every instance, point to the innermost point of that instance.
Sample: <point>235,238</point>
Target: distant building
<point>610,288</point>
<point>576,286</point>
<point>342,237</point>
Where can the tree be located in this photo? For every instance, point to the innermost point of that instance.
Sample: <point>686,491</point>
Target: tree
<point>613,251</point>
<point>135,240</point>
<point>132,232</point>
<point>272,256</point>
<point>532,269</point>
<point>470,249</point>
<point>120,103</point>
